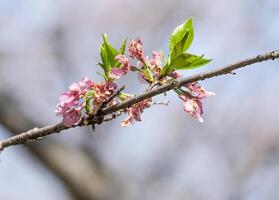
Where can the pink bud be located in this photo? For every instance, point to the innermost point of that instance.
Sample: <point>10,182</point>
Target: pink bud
<point>135,49</point>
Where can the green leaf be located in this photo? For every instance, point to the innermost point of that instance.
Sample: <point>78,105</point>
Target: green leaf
<point>123,47</point>
<point>103,75</point>
<point>111,51</point>
<point>108,54</point>
<point>189,61</point>
<point>181,38</point>
<point>105,65</point>
<point>104,57</point>
<point>147,75</point>
<point>165,70</point>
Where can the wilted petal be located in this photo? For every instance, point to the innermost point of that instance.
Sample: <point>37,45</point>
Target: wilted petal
<point>116,73</point>
<point>134,112</point>
<point>72,118</point>
<point>156,58</point>
<point>122,59</point>
<point>85,84</point>
<point>75,87</point>
<point>193,107</point>
<point>198,90</point>
<point>135,49</point>
<point>111,86</point>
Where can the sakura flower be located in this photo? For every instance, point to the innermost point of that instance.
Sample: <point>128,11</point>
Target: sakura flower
<point>102,92</point>
<point>117,72</point>
<point>199,90</point>
<point>86,84</point>
<point>73,117</point>
<point>135,49</point>
<point>111,86</point>
<point>123,60</point>
<point>134,112</point>
<point>68,100</point>
<point>156,58</point>
<point>82,87</point>
<point>193,106</point>
<point>75,88</point>
<point>154,63</point>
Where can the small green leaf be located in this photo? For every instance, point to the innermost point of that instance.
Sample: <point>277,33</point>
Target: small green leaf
<point>104,57</point>
<point>123,47</point>
<point>111,51</point>
<point>147,75</point>
<point>103,75</point>
<point>165,59</point>
<point>181,38</point>
<point>189,61</point>
<point>165,70</point>
<point>108,54</point>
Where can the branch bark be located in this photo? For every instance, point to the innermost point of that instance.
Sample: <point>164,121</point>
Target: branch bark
<point>109,112</point>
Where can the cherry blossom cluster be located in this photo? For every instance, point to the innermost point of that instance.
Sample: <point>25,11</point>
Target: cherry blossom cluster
<point>86,98</point>
<point>74,101</point>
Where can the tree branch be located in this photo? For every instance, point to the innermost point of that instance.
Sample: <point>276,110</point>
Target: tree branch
<point>109,112</point>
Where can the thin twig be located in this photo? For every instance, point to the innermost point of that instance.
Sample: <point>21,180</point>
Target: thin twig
<point>36,133</point>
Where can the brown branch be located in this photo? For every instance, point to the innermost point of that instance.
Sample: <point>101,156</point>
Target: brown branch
<point>37,133</point>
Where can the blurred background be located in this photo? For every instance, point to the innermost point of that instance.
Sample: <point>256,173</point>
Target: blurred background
<point>45,45</point>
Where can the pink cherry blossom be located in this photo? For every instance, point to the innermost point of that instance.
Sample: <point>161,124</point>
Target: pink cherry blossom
<point>82,87</point>
<point>75,88</point>
<point>123,60</point>
<point>117,72</point>
<point>72,102</point>
<point>86,84</point>
<point>134,112</point>
<point>193,106</point>
<point>68,100</point>
<point>156,58</point>
<point>102,92</point>
<point>73,117</point>
<point>111,86</point>
<point>135,49</point>
<point>199,90</point>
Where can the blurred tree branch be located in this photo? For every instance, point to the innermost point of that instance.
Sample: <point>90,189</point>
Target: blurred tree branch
<point>111,112</point>
<point>81,175</point>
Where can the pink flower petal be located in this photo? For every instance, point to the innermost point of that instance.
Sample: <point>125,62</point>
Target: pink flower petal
<point>116,73</point>
<point>72,118</point>
<point>135,49</point>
